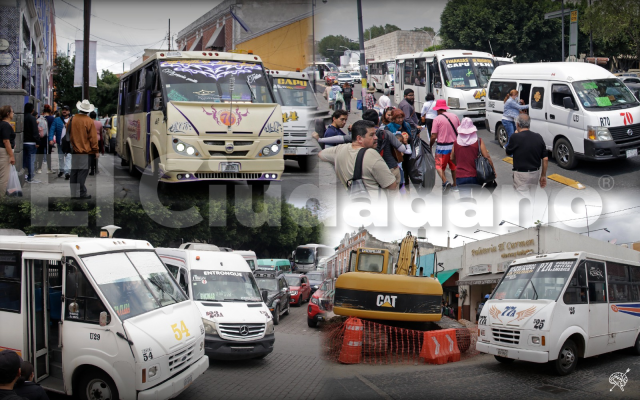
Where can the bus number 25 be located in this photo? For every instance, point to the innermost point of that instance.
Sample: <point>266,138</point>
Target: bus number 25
<point>605,121</point>
<point>180,331</point>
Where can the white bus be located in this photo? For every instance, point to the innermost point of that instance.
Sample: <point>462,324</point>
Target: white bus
<point>381,74</point>
<point>307,257</point>
<point>98,318</point>
<point>321,68</point>
<point>300,110</point>
<point>458,76</point>
<point>193,116</point>
<point>558,307</point>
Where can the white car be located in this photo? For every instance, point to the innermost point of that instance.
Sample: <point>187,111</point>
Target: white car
<point>345,78</point>
<point>356,77</point>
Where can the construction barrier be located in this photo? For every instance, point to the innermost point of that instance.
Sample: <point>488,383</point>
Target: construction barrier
<point>440,347</point>
<point>367,342</point>
<point>351,352</point>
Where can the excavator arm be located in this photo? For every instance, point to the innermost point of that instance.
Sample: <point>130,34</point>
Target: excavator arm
<point>407,256</point>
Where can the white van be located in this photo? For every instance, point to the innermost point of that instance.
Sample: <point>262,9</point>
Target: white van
<point>558,307</point>
<point>249,256</point>
<point>581,110</point>
<point>98,318</point>
<point>238,324</point>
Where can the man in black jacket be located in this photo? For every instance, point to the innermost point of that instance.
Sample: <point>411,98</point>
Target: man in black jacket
<point>25,386</point>
<point>30,142</point>
<point>9,374</point>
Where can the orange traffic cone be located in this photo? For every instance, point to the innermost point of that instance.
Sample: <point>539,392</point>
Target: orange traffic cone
<point>351,352</point>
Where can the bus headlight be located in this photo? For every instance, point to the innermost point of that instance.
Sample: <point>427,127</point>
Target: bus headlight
<point>153,371</point>
<point>266,151</point>
<point>271,149</point>
<point>184,148</point>
<point>598,133</point>
<point>453,102</point>
<point>275,148</point>
<point>535,340</point>
<point>209,327</point>
<point>180,147</point>
<point>190,150</point>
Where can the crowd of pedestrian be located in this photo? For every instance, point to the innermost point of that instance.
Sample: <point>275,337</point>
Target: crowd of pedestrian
<point>17,379</point>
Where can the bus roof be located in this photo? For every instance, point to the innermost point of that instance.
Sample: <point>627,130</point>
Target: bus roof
<point>555,71</point>
<point>194,55</point>
<point>445,54</point>
<point>573,254</point>
<point>79,245</point>
<point>379,61</point>
<point>289,74</point>
<point>206,260</point>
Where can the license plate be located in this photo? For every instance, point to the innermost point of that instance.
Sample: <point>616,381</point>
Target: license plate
<point>632,153</point>
<point>229,167</point>
<point>290,150</point>
<point>188,381</point>
<point>503,353</point>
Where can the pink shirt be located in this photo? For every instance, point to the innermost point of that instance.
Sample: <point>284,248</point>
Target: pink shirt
<point>443,128</point>
<point>98,125</point>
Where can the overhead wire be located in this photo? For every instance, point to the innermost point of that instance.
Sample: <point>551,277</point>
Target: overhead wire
<point>115,23</point>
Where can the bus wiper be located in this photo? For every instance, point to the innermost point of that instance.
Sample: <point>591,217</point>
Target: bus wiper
<point>253,95</point>
<point>156,284</point>
<point>248,301</point>
<point>534,290</point>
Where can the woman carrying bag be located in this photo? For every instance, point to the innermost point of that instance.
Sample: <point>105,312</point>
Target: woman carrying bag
<point>7,144</point>
<point>467,150</point>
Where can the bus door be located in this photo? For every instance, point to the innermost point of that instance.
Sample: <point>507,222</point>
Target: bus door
<point>399,89</point>
<point>135,121</point>
<point>41,306</point>
<point>420,80</point>
<point>598,308</point>
<point>430,70</point>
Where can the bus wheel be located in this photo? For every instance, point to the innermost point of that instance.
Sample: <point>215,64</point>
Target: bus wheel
<point>133,171</point>
<point>564,155</point>
<point>504,360</point>
<point>502,135</point>
<point>97,385</point>
<point>567,358</point>
<point>307,163</point>
<point>636,347</point>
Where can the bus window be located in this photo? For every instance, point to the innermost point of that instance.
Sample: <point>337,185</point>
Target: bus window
<point>597,288</point>
<point>408,72</point>
<point>78,290</point>
<point>421,72</point>
<point>619,283</point>
<point>576,292</point>
<point>499,90</point>
<point>10,277</point>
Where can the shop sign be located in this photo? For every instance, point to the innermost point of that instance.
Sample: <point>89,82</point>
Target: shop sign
<point>479,269</point>
<point>6,59</point>
<point>507,249</point>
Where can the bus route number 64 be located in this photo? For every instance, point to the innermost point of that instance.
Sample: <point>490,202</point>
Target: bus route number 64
<point>178,332</point>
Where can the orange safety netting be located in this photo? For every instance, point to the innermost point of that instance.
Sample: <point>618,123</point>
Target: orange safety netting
<point>360,341</point>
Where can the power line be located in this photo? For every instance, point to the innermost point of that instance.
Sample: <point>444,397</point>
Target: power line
<point>607,213</point>
<point>115,23</point>
<point>121,61</point>
<point>98,37</point>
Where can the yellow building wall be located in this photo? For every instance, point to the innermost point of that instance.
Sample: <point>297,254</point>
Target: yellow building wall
<point>285,48</point>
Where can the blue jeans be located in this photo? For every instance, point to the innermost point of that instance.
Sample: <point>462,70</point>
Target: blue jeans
<point>465,185</point>
<point>29,159</point>
<point>510,127</point>
<point>64,161</point>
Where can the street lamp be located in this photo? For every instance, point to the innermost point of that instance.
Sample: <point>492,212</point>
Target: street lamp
<point>313,38</point>
<point>433,38</point>
<point>587,214</point>
<point>596,230</point>
<point>480,230</point>
<point>507,222</point>
<point>465,237</point>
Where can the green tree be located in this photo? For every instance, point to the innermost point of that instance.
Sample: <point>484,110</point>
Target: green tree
<point>428,29</point>
<point>106,97</point>
<point>330,47</point>
<point>376,31</point>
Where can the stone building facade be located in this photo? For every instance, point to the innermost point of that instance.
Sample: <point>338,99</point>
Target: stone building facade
<point>27,54</point>
<point>387,47</point>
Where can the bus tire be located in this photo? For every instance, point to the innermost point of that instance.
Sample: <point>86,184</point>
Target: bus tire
<point>307,163</point>
<point>636,347</point>
<point>504,360</point>
<point>276,315</point>
<point>567,358</point>
<point>96,384</point>
<point>133,171</point>
<point>501,133</point>
<point>564,154</point>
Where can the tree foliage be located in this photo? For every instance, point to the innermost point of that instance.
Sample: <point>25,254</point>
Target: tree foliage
<point>330,47</point>
<point>376,31</point>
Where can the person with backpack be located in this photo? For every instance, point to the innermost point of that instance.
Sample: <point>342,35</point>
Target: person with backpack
<point>43,135</point>
<point>31,139</point>
<point>347,94</point>
<point>465,152</point>
<point>55,137</point>
<point>374,171</point>
<point>445,127</point>
<point>334,93</point>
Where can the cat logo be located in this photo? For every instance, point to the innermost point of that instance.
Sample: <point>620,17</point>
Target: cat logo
<point>480,94</point>
<point>386,301</point>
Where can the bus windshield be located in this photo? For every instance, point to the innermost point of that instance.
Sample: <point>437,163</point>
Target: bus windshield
<point>304,255</point>
<point>224,286</point>
<point>467,73</point>
<point>133,282</point>
<point>294,92</point>
<point>604,94</point>
<point>211,81</point>
<point>535,281</point>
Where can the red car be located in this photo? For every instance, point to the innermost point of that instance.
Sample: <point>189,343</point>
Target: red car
<point>319,304</point>
<point>299,287</point>
<point>330,77</point>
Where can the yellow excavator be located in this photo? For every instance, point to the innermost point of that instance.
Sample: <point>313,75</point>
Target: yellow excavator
<point>372,289</point>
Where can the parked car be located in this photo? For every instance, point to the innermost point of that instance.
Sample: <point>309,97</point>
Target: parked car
<point>330,78</point>
<point>357,78</point>
<point>633,84</point>
<point>319,304</point>
<point>274,264</point>
<point>278,296</point>
<point>315,280</point>
<point>345,78</point>
<point>299,288</point>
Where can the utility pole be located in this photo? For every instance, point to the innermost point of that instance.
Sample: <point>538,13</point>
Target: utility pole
<point>85,54</point>
<point>313,44</point>
<point>363,69</point>
<point>169,45</point>
<point>562,1</point>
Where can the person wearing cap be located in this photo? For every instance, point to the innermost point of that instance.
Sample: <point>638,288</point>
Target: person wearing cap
<point>465,152</point>
<point>55,136</point>
<point>9,373</point>
<point>529,154</point>
<point>445,127</point>
<point>84,141</point>
<point>406,105</point>
<point>369,100</point>
<point>26,387</point>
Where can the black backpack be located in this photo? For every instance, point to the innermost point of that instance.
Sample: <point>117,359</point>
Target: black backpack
<point>66,140</point>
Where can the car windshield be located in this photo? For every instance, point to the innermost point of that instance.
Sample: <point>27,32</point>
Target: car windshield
<point>314,276</point>
<point>133,282</point>
<point>604,94</point>
<point>534,281</point>
<point>224,286</point>
<point>304,256</point>
<point>294,92</point>
<point>292,280</point>
<point>212,81</point>
<point>467,73</point>
<point>355,74</point>
<point>344,76</point>
<point>267,284</point>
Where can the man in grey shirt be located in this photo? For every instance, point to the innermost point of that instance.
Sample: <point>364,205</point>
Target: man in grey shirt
<point>406,105</point>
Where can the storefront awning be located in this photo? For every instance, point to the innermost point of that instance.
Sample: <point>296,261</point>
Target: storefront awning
<point>444,275</point>
<point>484,279</point>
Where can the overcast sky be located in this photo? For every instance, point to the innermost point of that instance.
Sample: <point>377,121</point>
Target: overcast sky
<point>622,225</point>
<point>341,17</point>
<point>123,29</point>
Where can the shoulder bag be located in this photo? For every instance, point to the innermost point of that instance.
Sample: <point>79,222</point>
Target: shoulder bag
<point>355,185</point>
<point>66,140</point>
<point>484,171</point>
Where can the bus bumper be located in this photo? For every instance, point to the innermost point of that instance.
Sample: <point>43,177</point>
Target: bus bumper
<point>293,151</point>
<point>176,385</point>
<point>516,354</point>
<point>181,170</point>
<point>475,115</point>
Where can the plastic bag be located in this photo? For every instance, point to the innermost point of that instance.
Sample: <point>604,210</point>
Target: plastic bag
<point>359,104</point>
<point>13,188</point>
<point>422,165</point>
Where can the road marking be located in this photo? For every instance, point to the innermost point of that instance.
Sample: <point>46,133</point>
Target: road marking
<point>566,181</point>
<point>508,160</point>
<point>374,387</point>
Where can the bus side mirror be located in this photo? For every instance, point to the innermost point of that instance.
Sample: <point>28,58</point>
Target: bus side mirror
<point>158,103</point>
<point>568,103</point>
<point>103,318</point>
<point>265,295</point>
<point>438,85</point>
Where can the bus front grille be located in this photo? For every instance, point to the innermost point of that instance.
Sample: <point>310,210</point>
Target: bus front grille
<point>507,336</point>
<point>237,176</point>
<point>475,106</point>
<point>181,358</point>
<point>214,153</point>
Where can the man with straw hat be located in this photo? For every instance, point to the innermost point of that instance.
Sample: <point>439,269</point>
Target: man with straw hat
<point>84,141</point>
<point>465,152</point>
